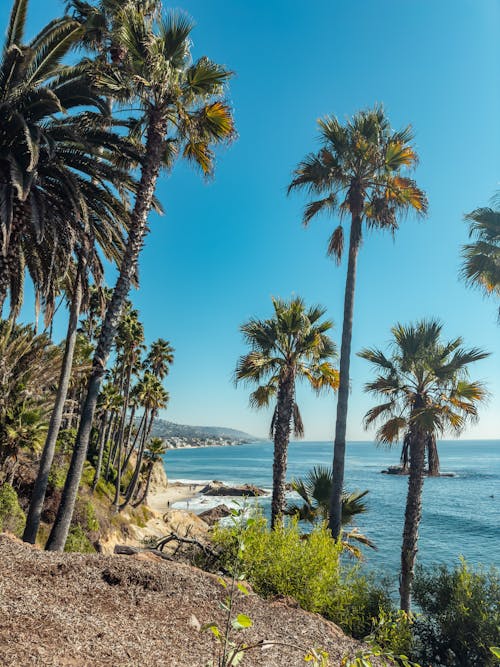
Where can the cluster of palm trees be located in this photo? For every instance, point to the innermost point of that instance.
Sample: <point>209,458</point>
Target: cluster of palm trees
<point>82,145</point>
<point>362,172</point>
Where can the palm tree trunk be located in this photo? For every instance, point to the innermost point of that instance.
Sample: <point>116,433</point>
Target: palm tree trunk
<point>335,522</point>
<point>138,229</point>
<point>432,456</point>
<point>108,440</point>
<point>130,425</point>
<point>102,442</point>
<point>144,496</point>
<point>42,479</point>
<point>413,514</point>
<point>135,477</point>
<point>132,446</point>
<point>285,403</point>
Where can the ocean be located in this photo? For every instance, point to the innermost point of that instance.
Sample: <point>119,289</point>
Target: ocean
<point>460,514</point>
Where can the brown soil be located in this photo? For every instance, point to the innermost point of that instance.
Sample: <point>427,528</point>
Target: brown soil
<point>84,610</point>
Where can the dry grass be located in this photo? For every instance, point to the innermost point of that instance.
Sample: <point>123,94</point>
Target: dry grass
<point>93,610</point>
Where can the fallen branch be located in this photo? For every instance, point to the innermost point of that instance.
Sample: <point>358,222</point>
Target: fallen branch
<point>126,550</point>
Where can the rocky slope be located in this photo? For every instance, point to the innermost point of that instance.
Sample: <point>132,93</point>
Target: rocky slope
<point>101,611</point>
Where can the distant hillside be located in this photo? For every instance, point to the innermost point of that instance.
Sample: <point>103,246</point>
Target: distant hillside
<point>181,435</point>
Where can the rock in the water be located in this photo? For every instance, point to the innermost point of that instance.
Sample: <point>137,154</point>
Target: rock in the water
<point>219,489</point>
<point>215,514</point>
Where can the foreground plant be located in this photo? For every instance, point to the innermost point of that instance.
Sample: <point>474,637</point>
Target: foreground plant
<point>291,345</point>
<point>315,490</point>
<point>425,391</point>
<point>183,114</point>
<point>362,171</point>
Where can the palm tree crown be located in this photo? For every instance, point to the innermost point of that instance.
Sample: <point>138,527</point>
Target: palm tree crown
<point>481,258</point>
<point>424,383</point>
<point>359,170</point>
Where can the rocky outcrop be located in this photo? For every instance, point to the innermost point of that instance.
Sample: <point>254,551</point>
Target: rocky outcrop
<point>216,488</point>
<point>215,514</point>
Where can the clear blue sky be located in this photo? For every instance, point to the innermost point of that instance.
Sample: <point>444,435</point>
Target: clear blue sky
<point>225,247</point>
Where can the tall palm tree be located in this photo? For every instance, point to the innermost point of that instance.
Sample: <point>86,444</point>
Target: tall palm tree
<point>183,114</point>
<point>291,345</point>
<point>360,172</point>
<point>425,391</point>
<point>481,258</point>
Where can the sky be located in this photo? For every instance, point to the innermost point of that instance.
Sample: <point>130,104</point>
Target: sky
<point>224,247</point>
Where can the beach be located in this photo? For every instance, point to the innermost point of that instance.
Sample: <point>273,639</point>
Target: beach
<point>176,492</point>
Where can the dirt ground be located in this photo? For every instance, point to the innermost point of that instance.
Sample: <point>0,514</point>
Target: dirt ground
<point>82,610</point>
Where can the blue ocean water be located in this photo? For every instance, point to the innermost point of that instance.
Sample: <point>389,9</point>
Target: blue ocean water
<point>460,514</point>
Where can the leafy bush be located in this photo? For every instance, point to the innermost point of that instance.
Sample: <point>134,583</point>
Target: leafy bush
<point>461,616</point>
<point>307,568</point>
<point>78,541</point>
<point>12,518</point>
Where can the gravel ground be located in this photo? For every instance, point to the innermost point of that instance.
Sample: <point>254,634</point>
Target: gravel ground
<point>93,610</point>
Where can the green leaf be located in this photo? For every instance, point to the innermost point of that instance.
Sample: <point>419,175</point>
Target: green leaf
<point>222,582</point>
<point>242,621</point>
<point>242,588</point>
<point>213,629</point>
<point>495,650</point>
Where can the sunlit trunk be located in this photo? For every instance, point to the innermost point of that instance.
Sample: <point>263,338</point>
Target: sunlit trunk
<point>413,515</point>
<point>335,522</point>
<point>282,430</point>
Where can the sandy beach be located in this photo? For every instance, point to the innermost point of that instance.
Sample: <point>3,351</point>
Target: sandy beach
<point>176,492</point>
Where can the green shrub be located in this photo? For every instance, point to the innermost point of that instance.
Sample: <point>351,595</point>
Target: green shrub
<point>307,568</point>
<point>393,632</point>
<point>12,518</point>
<point>78,540</point>
<point>460,616</point>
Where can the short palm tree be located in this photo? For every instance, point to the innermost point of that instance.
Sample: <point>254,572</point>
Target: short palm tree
<point>425,392</point>
<point>291,345</point>
<point>183,114</point>
<point>315,490</point>
<point>481,258</point>
<point>360,171</point>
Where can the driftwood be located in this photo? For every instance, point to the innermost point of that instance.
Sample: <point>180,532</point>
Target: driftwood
<point>126,550</point>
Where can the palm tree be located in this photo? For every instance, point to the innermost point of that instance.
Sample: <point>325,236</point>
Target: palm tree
<point>153,397</point>
<point>292,345</point>
<point>359,171</point>
<point>425,391</point>
<point>182,114</point>
<point>154,453</point>
<point>315,491</point>
<point>481,259</point>
<point>160,358</point>
<point>51,184</point>
<point>110,402</point>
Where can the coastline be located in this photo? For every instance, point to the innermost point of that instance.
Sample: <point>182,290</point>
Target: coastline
<point>161,501</point>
